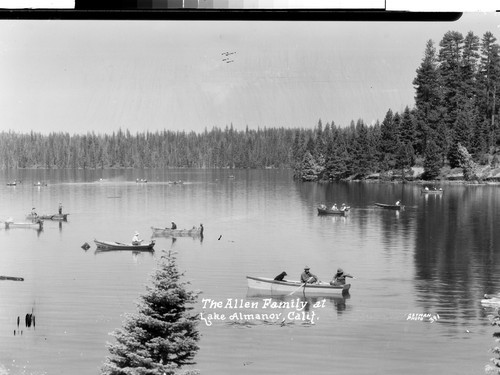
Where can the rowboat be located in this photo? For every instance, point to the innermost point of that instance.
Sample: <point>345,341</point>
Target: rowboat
<point>329,211</point>
<point>36,224</point>
<point>274,287</point>
<point>57,217</point>
<point>432,191</point>
<point>495,301</point>
<point>391,206</point>
<point>111,245</point>
<point>169,232</point>
<point>13,183</point>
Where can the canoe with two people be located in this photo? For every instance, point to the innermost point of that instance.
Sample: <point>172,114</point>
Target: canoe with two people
<point>339,278</point>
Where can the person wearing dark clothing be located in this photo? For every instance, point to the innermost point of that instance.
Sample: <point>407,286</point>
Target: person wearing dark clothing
<point>307,277</point>
<point>339,278</point>
<point>174,226</point>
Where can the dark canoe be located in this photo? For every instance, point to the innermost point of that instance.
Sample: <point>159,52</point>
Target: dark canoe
<point>58,217</point>
<point>111,245</point>
<point>12,278</point>
<point>390,206</point>
<point>329,211</point>
<point>11,183</point>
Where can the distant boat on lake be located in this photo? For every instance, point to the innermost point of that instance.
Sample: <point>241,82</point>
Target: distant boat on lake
<point>391,206</point>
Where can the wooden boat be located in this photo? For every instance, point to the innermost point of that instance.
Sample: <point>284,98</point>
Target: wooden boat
<point>110,245</point>
<point>274,287</point>
<point>12,278</point>
<point>38,224</point>
<point>56,217</point>
<point>432,191</point>
<point>492,301</point>
<point>390,206</point>
<point>329,211</point>
<point>169,232</point>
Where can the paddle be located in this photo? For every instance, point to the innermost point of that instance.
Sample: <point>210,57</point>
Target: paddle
<point>301,286</point>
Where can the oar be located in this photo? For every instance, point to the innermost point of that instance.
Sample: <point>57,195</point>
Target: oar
<point>301,286</point>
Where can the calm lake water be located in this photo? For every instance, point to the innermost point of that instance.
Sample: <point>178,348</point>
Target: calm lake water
<point>438,257</point>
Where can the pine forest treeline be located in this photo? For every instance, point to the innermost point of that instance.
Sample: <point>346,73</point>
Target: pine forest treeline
<point>457,87</point>
<point>217,148</point>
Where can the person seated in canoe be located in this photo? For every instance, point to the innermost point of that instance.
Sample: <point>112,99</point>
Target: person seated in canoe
<point>308,277</point>
<point>398,203</point>
<point>426,188</point>
<point>334,207</point>
<point>60,208</point>
<point>174,226</point>
<point>34,215</point>
<point>343,207</point>
<point>135,239</point>
<point>339,278</point>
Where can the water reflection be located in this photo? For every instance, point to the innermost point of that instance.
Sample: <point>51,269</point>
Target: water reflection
<point>134,253</point>
<point>454,251</point>
<point>335,218</point>
<point>307,304</point>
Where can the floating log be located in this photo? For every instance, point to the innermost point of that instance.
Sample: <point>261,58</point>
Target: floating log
<point>11,278</point>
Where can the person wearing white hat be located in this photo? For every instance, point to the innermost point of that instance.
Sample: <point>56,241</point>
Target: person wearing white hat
<point>308,277</point>
<point>135,239</point>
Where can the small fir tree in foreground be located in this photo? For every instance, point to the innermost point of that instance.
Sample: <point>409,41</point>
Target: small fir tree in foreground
<point>162,335</point>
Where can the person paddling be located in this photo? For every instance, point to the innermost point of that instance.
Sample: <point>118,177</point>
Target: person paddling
<point>339,278</point>
<point>307,277</point>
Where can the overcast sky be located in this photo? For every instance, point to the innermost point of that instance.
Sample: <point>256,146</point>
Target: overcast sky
<point>80,76</point>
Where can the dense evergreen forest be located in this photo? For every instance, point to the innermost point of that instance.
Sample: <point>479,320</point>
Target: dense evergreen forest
<point>217,148</point>
<point>453,124</point>
<point>455,116</point>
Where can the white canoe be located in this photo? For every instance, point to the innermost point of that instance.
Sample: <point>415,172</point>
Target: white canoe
<point>491,301</point>
<point>35,225</point>
<point>274,287</point>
